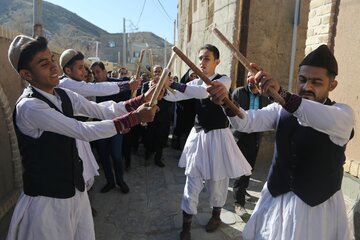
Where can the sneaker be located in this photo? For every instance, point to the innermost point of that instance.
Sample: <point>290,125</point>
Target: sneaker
<point>213,224</point>
<point>185,235</point>
<point>123,187</point>
<point>241,212</point>
<point>107,187</point>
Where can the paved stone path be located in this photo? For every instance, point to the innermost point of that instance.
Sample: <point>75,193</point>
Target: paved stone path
<point>151,211</point>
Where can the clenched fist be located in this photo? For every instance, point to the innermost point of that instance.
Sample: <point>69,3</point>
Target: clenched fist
<point>134,83</point>
<point>218,92</point>
<point>146,113</point>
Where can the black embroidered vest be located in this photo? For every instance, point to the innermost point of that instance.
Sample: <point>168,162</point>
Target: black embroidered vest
<point>209,116</point>
<point>308,163</point>
<point>51,165</point>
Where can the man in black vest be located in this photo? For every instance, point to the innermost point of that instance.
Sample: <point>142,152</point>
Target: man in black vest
<point>210,154</point>
<point>247,97</point>
<point>53,204</point>
<point>302,198</point>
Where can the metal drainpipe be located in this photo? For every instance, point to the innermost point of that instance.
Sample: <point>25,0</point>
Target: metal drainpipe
<point>293,43</point>
<point>244,29</point>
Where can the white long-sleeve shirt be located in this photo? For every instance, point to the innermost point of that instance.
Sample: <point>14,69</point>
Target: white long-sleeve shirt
<point>336,120</point>
<point>91,89</point>
<point>34,116</point>
<point>196,89</point>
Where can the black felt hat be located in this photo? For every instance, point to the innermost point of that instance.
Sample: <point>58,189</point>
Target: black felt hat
<point>321,57</point>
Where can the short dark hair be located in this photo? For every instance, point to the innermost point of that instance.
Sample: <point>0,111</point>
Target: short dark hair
<point>212,49</point>
<point>78,56</point>
<point>98,63</point>
<point>331,75</point>
<point>29,50</point>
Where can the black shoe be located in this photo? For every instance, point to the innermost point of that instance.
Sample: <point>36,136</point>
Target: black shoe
<point>123,187</point>
<point>213,224</point>
<point>107,187</point>
<point>93,212</point>
<point>148,154</point>
<point>159,163</point>
<point>185,235</point>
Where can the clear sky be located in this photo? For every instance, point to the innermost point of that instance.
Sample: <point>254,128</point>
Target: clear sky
<point>155,16</point>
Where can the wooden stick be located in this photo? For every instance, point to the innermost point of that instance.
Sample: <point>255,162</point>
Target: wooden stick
<point>137,75</point>
<point>140,61</point>
<point>151,61</point>
<point>161,82</point>
<point>148,72</point>
<point>143,67</point>
<point>203,77</point>
<point>246,63</point>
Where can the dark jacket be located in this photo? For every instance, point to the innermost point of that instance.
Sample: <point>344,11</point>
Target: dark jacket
<point>241,97</point>
<point>118,97</point>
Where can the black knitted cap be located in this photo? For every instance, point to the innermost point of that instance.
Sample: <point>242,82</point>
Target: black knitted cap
<point>321,57</point>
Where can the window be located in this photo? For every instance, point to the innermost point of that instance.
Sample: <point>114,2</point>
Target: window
<point>111,44</point>
<point>210,17</point>
<point>189,30</point>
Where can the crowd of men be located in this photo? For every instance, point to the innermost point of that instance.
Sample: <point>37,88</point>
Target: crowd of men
<point>61,120</point>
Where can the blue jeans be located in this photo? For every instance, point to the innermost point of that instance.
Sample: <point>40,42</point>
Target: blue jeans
<point>112,147</point>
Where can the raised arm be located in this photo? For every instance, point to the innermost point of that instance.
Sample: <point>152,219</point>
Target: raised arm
<point>94,89</point>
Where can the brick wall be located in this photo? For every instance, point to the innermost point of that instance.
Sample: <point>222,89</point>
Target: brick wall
<point>322,17</point>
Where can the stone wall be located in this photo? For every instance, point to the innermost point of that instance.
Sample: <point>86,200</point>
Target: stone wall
<point>10,163</point>
<point>196,18</point>
<point>270,37</point>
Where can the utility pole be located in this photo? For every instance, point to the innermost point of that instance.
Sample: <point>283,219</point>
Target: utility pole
<point>97,48</point>
<point>124,44</point>
<point>165,60</point>
<point>37,13</point>
<point>174,32</point>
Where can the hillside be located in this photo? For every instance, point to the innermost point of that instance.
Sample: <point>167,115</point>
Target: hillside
<point>16,13</point>
<point>66,29</point>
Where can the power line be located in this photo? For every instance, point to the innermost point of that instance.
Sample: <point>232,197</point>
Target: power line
<point>164,10</point>
<point>137,24</point>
